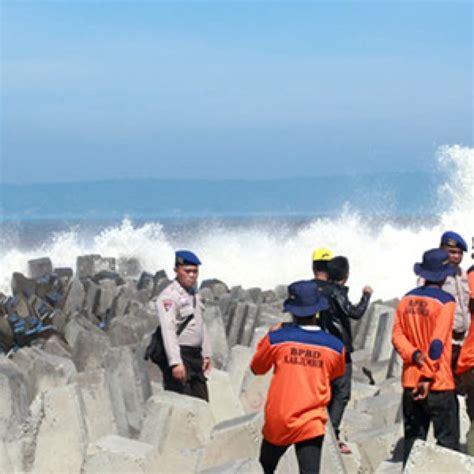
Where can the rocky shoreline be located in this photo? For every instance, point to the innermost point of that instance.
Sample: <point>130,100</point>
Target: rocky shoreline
<point>77,395</point>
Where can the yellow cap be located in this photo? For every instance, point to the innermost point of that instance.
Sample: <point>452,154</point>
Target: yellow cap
<point>322,254</point>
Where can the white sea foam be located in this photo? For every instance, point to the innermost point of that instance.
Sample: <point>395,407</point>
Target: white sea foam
<point>381,253</point>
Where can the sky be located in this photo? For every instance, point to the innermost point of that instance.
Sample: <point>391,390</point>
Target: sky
<point>249,90</point>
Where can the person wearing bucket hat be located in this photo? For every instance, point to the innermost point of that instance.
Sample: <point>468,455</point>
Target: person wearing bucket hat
<point>304,360</point>
<point>421,334</point>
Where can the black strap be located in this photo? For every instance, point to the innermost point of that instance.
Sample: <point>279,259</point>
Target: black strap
<point>183,325</point>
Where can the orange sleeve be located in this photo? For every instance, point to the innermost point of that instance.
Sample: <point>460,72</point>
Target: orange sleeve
<point>262,360</point>
<point>401,343</point>
<point>470,279</point>
<point>466,357</point>
<point>404,347</point>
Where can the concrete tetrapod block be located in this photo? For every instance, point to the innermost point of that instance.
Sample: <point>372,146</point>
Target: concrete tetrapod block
<point>240,466</point>
<point>382,348</point>
<point>122,301</point>
<point>134,326</point>
<point>171,418</point>
<point>14,400</point>
<point>429,458</point>
<point>355,462</point>
<point>62,435</point>
<point>39,267</point>
<point>108,291</point>
<point>232,440</point>
<point>226,305</point>
<point>331,460</point>
<point>95,392</point>
<point>128,267</point>
<point>74,299</point>
<point>251,320</point>
<point>127,374</point>
<point>89,265</point>
<point>237,366</point>
<point>354,421</point>
<point>389,467</point>
<point>370,335</point>
<point>254,391</point>
<point>88,342</point>
<point>236,323</point>
<point>112,454</point>
<point>384,409</point>
<point>223,400</point>
<point>395,365</point>
<point>391,386</point>
<point>361,390</point>
<point>91,299</point>
<point>43,370</point>
<point>217,336</point>
<point>380,444</point>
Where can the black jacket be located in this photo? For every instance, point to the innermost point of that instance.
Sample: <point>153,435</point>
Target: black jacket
<point>337,319</point>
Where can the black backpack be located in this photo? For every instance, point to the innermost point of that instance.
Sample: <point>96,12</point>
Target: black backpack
<point>156,349</point>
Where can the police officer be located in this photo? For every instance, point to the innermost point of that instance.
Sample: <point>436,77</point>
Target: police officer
<point>189,353</point>
<point>457,285</point>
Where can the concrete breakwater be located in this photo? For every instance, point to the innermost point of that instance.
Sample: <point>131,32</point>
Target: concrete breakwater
<point>77,396</point>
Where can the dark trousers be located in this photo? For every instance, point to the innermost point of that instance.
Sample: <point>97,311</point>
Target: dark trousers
<point>195,385</point>
<point>340,396</point>
<point>438,408</point>
<point>308,453</point>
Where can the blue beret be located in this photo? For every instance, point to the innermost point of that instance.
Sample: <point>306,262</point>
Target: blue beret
<point>451,239</point>
<point>185,257</point>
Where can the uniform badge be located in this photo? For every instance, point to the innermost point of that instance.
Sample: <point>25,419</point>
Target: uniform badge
<point>167,304</point>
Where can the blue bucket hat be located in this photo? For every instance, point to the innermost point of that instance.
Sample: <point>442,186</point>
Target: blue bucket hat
<point>304,299</point>
<point>452,239</point>
<point>185,257</point>
<point>435,265</point>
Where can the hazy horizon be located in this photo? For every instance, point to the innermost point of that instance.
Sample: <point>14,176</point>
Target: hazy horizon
<point>216,90</point>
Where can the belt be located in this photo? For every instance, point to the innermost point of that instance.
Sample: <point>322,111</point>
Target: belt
<point>458,335</point>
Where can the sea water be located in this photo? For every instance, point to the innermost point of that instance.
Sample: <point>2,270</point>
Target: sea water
<point>265,250</point>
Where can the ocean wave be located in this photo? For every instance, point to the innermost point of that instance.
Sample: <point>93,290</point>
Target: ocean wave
<point>381,252</point>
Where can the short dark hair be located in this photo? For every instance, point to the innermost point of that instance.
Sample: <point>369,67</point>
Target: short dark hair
<point>338,268</point>
<point>320,266</point>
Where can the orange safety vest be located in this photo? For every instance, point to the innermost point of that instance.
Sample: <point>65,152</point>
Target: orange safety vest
<point>424,323</point>
<point>466,356</point>
<point>304,362</point>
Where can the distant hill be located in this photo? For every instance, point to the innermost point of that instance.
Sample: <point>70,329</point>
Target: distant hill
<point>401,194</point>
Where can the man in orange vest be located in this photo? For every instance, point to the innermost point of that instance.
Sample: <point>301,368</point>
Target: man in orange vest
<point>465,366</point>
<point>422,336</point>
<point>304,360</point>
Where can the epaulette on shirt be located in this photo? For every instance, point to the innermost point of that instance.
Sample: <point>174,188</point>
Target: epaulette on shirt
<point>432,292</point>
<point>293,333</point>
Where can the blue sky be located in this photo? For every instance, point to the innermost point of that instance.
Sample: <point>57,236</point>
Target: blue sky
<point>100,89</point>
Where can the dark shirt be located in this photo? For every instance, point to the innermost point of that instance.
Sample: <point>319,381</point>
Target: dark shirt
<point>337,319</point>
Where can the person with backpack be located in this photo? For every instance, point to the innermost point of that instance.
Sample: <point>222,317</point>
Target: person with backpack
<point>183,332</point>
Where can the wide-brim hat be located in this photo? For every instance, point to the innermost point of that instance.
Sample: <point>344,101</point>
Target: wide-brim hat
<point>304,299</point>
<point>435,266</point>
